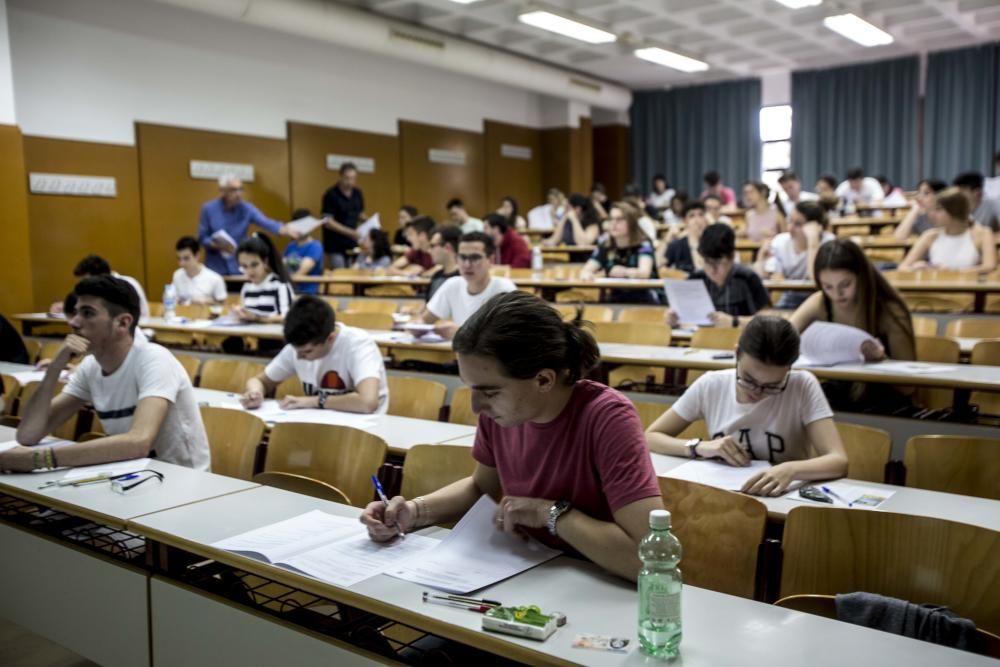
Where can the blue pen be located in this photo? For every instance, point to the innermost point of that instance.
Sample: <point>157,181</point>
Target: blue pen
<point>833,494</point>
<point>385,501</point>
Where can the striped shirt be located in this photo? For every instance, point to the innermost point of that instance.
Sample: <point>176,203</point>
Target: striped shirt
<point>271,297</point>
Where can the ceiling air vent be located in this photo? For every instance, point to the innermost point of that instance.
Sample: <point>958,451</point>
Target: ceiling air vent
<point>414,38</point>
<point>588,85</point>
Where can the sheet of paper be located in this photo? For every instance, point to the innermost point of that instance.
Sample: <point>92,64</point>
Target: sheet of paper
<point>223,236</point>
<point>857,495</point>
<point>690,300</point>
<point>304,226</point>
<point>717,474</point>
<point>474,555</point>
<point>368,225</point>
<point>829,343</point>
<point>115,468</point>
<point>539,218</point>
<point>280,541</point>
<point>230,319</point>
<point>894,366</point>
<point>346,562</point>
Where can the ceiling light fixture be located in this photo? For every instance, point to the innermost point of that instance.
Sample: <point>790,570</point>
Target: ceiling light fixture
<point>655,54</point>
<point>799,4</point>
<point>567,27</point>
<point>857,30</point>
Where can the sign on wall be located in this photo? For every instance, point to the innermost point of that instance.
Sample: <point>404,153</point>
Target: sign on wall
<point>442,156</point>
<point>65,184</point>
<point>365,165</point>
<point>212,170</point>
<point>516,152</point>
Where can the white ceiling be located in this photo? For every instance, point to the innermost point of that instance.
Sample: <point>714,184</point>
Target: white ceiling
<point>737,38</point>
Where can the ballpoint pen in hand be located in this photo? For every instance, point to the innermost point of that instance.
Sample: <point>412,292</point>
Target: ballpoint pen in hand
<point>385,501</point>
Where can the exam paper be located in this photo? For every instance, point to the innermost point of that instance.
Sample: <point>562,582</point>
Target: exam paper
<point>223,235</point>
<point>474,555</point>
<point>690,300</point>
<point>717,474</point>
<point>304,226</point>
<point>109,469</point>
<point>857,495</point>
<point>368,225</point>
<point>829,343</point>
<point>284,539</point>
<point>894,366</point>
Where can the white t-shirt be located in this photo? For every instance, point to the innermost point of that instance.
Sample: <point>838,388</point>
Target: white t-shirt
<point>354,357</point>
<point>148,370</point>
<point>453,302</point>
<point>207,286</point>
<point>143,303</point>
<point>773,429</point>
<point>871,192</point>
<point>661,199</point>
<point>785,260</point>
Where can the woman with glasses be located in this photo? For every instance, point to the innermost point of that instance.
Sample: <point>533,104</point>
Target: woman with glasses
<point>760,410</point>
<point>626,253</point>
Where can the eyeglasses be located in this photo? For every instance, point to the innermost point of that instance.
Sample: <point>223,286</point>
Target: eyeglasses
<point>715,263</point>
<point>750,385</point>
<point>127,482</point>
<point>471,259</point>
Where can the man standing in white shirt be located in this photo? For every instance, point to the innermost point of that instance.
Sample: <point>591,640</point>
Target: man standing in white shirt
<point>459,297</point>
<point>859,189</point>
<point>340,367</point>
<point>141,393</point>
<point>95,265</point>
<point>193,281</point>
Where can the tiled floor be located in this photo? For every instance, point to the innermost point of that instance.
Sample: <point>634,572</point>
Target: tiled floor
<point>21,648</point>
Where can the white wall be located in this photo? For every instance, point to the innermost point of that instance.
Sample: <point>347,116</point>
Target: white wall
<point>88,69</point>
<point>7,115</point>
<point>776,88</point>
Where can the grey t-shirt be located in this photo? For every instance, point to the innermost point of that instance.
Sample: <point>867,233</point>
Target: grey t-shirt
<point>988,214</point>
<point>922,224</point>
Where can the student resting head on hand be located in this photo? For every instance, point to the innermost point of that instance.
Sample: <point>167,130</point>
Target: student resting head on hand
<point>564,457</point>
<point>760,410</point>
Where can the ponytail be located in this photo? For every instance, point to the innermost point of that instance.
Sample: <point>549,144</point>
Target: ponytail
<point>263,247</point>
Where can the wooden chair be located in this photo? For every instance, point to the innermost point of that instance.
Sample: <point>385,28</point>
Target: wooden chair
<point>339,455</point>
<point>566,311</point>
<point>233,437</point>
<point>390,290</point>
<point>578,295</point>
<point>644,315</point>
<point>598,314</point>
<point>371,306</point>
<point>712,338</point>
<point>34,348</point>
<point>940,302</point>
<point>720,531</point>
<point>964,465</point>
<point>868,450</point>
<point>362,320</point>
<point>228,374</point>
<point>942,350</point>
<point>415,397</point>
<point>921,559</point>
<point>635,333</point>
<point>11,389</point>
<point>191,365</point>
<point>649,411</point>
<point>49,350</point>
<point>307,486</point>
<point>460,411</point>
<point>987,353</point>
<point>428,468</point>
<point>974,328</point>
<point>194,311</point>
<point>155,308</point>
<point>67,430</point>
<point>826,606</point>
<point>289,387</point>
<point>925,326</point>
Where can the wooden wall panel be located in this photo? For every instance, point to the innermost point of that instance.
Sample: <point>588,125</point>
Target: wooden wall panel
<point>65,228</point>
<point>15,269</point>
<point>611,158</point>
<point>518,178</point>
<point>308,146</point>
<point>172,200</point>
<point>583,156</point>
<point>428,185</point>
<point>567,158</point>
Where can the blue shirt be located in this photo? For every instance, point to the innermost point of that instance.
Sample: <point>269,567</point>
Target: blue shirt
<point>236,221</point>
<point>295,253</point>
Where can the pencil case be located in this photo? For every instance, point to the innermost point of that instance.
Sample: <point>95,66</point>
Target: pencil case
<point>527,622</point>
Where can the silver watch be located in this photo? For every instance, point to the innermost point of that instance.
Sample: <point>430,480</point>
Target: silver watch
<point>557,510</point>
<point>692,446</point>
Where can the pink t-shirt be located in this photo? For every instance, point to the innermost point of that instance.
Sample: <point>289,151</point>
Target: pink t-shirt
<point>593,454</point>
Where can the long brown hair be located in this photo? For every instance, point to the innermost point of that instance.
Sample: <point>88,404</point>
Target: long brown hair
<point>874,292</point>
<point>632,215</point>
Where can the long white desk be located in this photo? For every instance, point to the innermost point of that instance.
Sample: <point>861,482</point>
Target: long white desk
<point>718,629</point>
<point>400,433</point>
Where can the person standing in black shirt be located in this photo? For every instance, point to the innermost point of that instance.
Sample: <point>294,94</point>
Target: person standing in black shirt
<point>344,205</point>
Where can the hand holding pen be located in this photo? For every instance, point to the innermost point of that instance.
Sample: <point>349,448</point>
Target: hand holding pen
<point>385,504</point>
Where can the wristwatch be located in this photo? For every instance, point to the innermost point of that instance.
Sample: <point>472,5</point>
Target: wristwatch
<point>322,400</point>
<point>692,446</point>
<point>557,510</point>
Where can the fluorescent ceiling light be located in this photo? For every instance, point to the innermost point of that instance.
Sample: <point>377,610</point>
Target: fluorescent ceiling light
<point>465,2</point>
<point>792,4</point>
<point>857,29</point>
<point>655,54</point>
<point>566,27</point>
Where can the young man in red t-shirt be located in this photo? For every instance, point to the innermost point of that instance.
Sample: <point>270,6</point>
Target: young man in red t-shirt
<point>565,458</point>
<point>418,258</point>
<point>512,249</point>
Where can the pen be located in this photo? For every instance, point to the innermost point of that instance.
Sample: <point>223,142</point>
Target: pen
<point>464,599</point>
<point>479,609</point>
<point>385,501</point>
<point>833,494</point>
<point>103,477</point>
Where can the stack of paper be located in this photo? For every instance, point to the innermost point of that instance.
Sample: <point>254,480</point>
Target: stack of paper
<point>368,225</point>
<point>717,474</point>
<point>223,236</point>
<point>690,300</point>
<point>304,226</point>
<point>829,344</point>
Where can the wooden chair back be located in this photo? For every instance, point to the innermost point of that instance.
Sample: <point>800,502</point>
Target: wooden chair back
<point>942,350</point>
<point>634,333</point>
<point>974,327</point>
<point>194,311</point>
<point>924,326</point>
<point>66,430</point>
<point>416,397</point>
<point>578,295</point>
<point>868,450</point>
<point>566,311</point>
<point>966,465</point>
<point>987,353</point>
<point>339,455</point>
<point>672,274</point>
<point>649,411</point>
<point>233,437</point>
<point>644,315</point>
<point>307,486</point>
<point>715,338</point>
<point>460,411</point>
<point>289,387</point>
<point>720,531</point>
<point>11,388</point>
<point>384,306</point>
<point>228,374</point>
<point>155,308</point>
<point>191,365</point>
<point>428,468</point>
<point>49,350</point>
<point>366,320</point>
<point>920,559</point>
<point>598,314</point>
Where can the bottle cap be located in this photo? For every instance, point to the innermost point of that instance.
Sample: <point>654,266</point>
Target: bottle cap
<point>659,519</point>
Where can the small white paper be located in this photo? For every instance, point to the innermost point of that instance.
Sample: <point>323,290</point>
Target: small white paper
<point>223,235</point>
<point>690,300</point>
<point>829,344</point>
<point>368,225</point>
<point>304,226</point>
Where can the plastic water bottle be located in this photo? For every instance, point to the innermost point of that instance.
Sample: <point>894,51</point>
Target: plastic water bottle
<point>660,589</point>
<point>537,263</point>
<point>169,303</point>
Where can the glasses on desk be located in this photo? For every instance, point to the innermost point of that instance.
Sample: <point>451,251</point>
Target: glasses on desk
<point>125,483</point>
<point>768,389</point>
